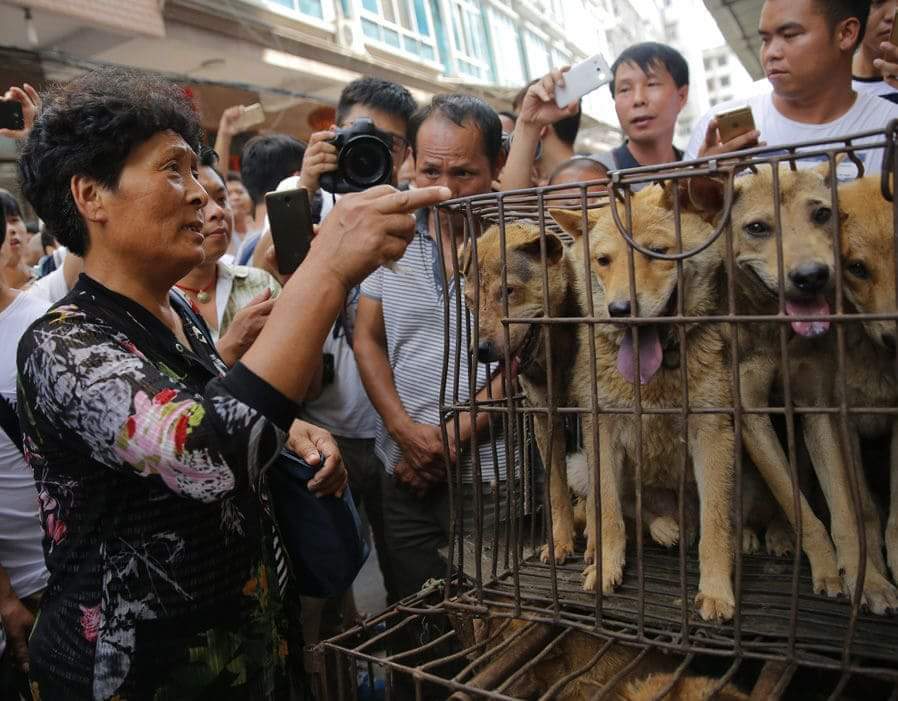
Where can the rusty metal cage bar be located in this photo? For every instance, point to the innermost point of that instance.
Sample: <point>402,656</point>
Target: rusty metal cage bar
<point>777,617</point>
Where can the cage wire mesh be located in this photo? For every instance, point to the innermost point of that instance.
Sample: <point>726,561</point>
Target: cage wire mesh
<point>699,385</point>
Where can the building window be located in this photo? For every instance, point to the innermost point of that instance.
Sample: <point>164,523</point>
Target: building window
<point>722,60</point>
<point>469,41</point>
<point>310,8</point>
<point>537,55</point>
<point>506,49</point>
<point>405,25</point>
<point>724,81</point>
<point>707,64</point>
<point>711,85</point>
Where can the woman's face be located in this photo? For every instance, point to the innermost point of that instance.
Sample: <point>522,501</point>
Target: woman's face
<point>156,211</point>
<point>16,235</point>
<point>218,216</point>
<point>239,199</point>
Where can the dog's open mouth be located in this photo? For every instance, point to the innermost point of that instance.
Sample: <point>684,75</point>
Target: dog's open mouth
<point>654,340</point>
<point>525,352</point>
<point>809,306</point>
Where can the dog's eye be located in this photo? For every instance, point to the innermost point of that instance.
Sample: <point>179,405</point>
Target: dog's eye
<point>660,250</point>
<point>858,269</point>
<point>757,228</point>
<point>822,215</point>
<point>603,261</point>
<point>509,291</point>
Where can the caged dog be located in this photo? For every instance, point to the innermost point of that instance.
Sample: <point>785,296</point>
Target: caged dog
<point>867,246</point>
<point>528,343</point>
<point>807,227</point>
<point>653,362</point>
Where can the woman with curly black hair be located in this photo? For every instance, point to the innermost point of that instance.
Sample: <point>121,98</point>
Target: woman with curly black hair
<point>148,451</point>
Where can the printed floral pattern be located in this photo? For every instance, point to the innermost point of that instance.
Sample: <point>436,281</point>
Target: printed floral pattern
<point>145,463</point>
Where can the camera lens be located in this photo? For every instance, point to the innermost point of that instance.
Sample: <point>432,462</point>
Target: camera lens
<point>366,161</point>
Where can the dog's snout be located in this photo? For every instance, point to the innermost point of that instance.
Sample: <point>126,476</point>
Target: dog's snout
<point>810,277</point>
<point>619,308</point>
<point>888,340</point>
<point>486,352</point>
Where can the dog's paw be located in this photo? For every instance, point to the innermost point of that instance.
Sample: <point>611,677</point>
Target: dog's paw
<point>779,540</point>
<point>716,603</point>
<point>879,596</point>
<point>824,571</point>
<point>665,531</point>
<point>589,555</point>
<point>612,574</point>
<point>751,544</point>
<point>892,548</point>
<point>563,550</point>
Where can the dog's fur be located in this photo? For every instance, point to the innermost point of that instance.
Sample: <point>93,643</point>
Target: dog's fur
<point>529,345</point>
<point>659,438</point>
<point>868,267</point>
<point>645,681</point>
<point>807,226</point>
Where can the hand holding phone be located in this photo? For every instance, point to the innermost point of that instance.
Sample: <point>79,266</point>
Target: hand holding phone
<point>582,79</point>
<point>18,109</point>
<point>11,115</point>
<point>290,217</point>
<point>251,115</point>
<point>734,123</point>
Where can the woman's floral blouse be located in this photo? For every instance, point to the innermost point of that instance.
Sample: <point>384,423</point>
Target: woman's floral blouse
<point>147,459</point>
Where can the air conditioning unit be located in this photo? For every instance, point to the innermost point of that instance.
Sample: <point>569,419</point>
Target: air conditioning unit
<point>349,35</point>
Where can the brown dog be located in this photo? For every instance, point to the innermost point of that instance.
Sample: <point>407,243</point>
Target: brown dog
<point>868,267</point>
<point>808,264</point>
<point>653,362</point>
<point>528,345</point>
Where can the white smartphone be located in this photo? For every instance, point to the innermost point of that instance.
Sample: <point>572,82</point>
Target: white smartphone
<point>582,79</point>
<point>250,117</point>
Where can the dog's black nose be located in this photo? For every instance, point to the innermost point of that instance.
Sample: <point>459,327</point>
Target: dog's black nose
<point>486,352</point>
<point>810,277</point>
<point>888,340</point>
<point>619,308</point>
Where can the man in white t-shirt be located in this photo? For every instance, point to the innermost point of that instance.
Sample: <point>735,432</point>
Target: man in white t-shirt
<point>867,76</point>
<point>807,50</point>
<point>23,572</point>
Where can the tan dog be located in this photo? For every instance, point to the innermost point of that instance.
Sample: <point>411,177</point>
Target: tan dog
<point>528,344</point>
<point>646,679</point>
<point>807,226</point>
<point>653,361</point>
<point>868,268</point>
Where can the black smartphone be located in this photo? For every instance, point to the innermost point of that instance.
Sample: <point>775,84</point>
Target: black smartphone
<point>290,218</point>
<point>11,116</point>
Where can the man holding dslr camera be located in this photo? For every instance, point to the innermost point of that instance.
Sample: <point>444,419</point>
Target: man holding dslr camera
<point>367,148</point>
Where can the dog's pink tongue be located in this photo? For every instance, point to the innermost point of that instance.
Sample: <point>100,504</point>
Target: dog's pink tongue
<point>815,307</point>
<point>650,355</point>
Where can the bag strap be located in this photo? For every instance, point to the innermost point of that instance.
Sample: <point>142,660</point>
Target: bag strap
<point>9,422</point>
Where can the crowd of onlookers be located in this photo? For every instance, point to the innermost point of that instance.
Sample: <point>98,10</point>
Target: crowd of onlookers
<point>176,360</point>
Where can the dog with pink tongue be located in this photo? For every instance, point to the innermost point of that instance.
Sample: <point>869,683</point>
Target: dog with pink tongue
<point>668,364</point>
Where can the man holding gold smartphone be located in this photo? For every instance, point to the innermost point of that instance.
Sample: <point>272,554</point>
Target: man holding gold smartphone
<point>807,51</point>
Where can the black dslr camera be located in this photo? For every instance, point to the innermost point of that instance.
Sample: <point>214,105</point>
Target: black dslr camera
<point>363,159</point>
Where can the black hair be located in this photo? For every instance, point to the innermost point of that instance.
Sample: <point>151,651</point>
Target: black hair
<point>9,205</point>
<point>575,162</point>
<point>234,177</point>
<point>47,238</point>
<point>836,11</point>
<point>208,158</point>
<point>378,94</point>
<point>566,128</point>
<point>266,160</point>
<point>511,115</point>
<point>89,127</point>
<point>461,109</point>
<point>649,54</point>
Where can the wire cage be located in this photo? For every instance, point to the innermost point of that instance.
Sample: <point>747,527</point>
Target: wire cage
<point>713,343</point>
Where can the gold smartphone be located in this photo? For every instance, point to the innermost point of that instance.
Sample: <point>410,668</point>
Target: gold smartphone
<point>893,37</point>
<point>735,123</point>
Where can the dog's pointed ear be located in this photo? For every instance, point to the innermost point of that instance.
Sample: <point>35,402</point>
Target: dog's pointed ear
<point>571,220</point>
<point>533,247</point>
<point>703,195</point>
<point>464,257</point>
<point>827,168</point>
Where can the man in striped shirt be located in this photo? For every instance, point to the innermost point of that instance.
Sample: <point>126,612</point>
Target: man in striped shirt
<point>399,347</point>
